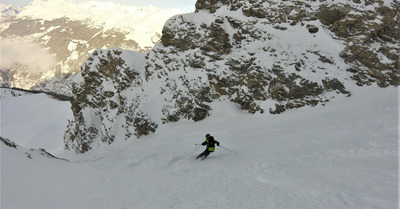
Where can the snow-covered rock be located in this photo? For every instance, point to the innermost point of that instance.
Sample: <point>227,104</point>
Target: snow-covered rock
<point>28,152</point>
<point>264,56</point>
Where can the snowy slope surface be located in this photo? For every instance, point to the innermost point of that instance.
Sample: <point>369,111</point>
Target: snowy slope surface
<point>342,155</point>
<point>34,121</point>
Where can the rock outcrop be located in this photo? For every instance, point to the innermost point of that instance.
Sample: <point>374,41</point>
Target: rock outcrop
<point>265,56</point>
<point>28,152</point>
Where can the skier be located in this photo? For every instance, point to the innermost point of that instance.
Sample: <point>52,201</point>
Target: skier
<point>210,142</point>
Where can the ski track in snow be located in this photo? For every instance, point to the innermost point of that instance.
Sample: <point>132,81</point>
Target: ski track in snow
<point>342,155</point>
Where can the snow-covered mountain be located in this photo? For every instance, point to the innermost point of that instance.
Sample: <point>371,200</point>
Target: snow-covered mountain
<point>264,56</point>
<point>232,67</point>
<point>8,11</point>
<point>45,42</point>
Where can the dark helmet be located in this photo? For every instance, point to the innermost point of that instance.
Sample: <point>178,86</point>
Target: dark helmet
<point>207,135</point>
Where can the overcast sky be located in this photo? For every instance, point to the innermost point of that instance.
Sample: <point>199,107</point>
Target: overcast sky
<point>184,5</point>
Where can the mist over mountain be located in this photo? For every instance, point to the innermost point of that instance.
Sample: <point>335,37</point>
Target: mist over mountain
<point>69,32</point>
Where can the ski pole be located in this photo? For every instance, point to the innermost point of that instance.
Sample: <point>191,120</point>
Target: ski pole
<point>225,148</point>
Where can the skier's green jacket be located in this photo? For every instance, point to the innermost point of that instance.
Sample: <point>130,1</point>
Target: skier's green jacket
<point>210,142</point>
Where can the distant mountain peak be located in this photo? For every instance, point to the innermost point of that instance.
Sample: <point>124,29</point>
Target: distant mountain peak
<point>8,11</point>
<point>71,31</point>
<point>138,22</point>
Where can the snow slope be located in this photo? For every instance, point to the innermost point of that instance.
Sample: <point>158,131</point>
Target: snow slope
<point>34,121</point>
<point>342,155</point>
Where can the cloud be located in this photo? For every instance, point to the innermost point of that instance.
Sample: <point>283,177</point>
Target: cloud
<point>27,53</point>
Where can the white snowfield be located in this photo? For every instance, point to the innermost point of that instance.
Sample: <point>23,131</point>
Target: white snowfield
<point>342,155</point>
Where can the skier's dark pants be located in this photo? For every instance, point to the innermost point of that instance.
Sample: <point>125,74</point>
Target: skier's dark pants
<point>204,154</point>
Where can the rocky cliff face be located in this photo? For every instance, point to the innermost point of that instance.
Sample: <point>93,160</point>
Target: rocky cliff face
<point>265,56</point>
<point>371,37</point>
<point>107,94</point>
